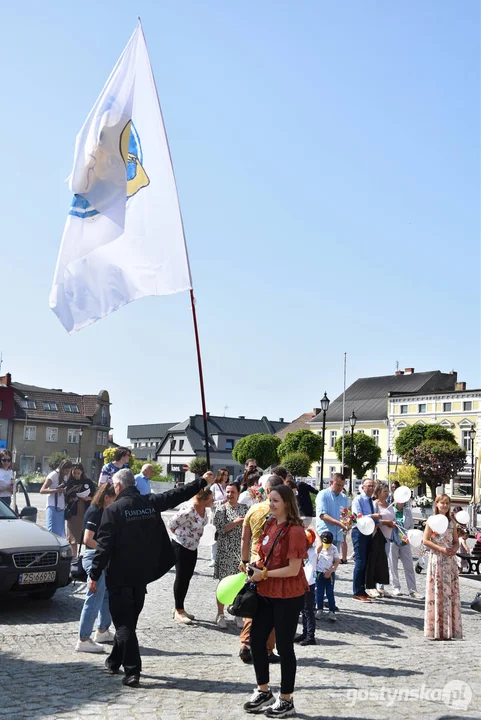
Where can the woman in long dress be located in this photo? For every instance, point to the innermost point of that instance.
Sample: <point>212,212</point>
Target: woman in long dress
<point>442,614</point>
<point>228,521</point>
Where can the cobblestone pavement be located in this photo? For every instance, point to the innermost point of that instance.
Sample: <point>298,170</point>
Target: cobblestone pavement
<point>373,663</point>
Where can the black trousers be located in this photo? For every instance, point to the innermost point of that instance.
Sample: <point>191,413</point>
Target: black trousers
<point>282,615</point>
<point>125,605</point>
<point>185,561</point>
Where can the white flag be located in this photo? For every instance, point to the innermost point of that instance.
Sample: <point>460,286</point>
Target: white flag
<point>123,238</point>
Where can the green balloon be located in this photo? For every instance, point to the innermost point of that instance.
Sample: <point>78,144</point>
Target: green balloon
<point>228,588</point>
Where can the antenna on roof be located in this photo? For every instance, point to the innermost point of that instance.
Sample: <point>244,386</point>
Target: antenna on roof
<point>397,364</point>
<point>226,407</point>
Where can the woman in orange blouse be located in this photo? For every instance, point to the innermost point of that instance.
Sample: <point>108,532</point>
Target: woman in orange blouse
<point>281,587</point>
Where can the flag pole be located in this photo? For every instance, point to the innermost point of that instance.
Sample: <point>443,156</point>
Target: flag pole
<point>192,298</point>
<point>343,413</point>
<point>201,379</point>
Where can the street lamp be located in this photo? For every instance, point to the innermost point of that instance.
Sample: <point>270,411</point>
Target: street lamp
<point>324,407</point>
<point>389,451</point>
<point>352,423</point>
<point>172,443</point>
<point>80,433</point>
<point>23,468</point>
<point>472,435</point>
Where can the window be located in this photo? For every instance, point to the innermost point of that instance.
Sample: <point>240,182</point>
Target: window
<point>422,408</point>
<point>332,439</point>
<point>361,432</point>
<point>50,406</point>
<point>229,444</point>
<point>70,407</point>
<point>99,437</point>
<point>51,434</point>
<point>172,444</point>
<point>103,415</point>
<point>73,436</point>
<point>466,440</point>
<point>332,470</point>
<point>27,464</point>
<point>181,444</point>
<point>375,436</point>
<point>30,433</point>
<point>467,406</point>
<point>374,474</point>
<point>105,438</point>
<point>447,407</point>
<point>28,404</point>
<point>404,409</point>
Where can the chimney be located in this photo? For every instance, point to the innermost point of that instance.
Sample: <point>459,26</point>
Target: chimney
<point>460,386</point>
<point>316,411</point>
<point>281,419</point>
<point>242,417</point>
<point>408,371</point>
<point>399,372</point>
<point>6,380</point>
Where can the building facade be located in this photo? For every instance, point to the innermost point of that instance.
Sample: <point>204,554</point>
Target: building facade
<point>145,439</point>
<point>51,420</point>
<point>369,398</point>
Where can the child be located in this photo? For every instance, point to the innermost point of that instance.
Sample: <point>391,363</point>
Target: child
<point>462,562</point>
<point>442,615</point>
<point>307,637</point>
<point>327,564</point>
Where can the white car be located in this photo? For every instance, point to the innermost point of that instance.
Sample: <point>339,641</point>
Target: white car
<point>32,559</point>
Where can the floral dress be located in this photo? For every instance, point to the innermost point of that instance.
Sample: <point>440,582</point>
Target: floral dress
<point>228,543</point>
<point>442,615</point>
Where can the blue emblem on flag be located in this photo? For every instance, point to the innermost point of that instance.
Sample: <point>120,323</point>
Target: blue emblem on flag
<point>137,178</point>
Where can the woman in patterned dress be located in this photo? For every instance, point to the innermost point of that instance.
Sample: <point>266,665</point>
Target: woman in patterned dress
<point>228,521</point>
<point>442,615</point>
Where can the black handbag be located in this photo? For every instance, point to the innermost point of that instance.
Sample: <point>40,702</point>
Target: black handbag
<point>77,571</point>
<point>246,602</point>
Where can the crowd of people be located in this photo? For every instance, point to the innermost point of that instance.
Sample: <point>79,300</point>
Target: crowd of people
<point>289,540</point>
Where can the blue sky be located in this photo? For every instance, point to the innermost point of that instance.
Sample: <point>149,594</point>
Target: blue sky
<point>327,160</point>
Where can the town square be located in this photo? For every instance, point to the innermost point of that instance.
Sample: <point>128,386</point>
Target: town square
<point>240,388</point>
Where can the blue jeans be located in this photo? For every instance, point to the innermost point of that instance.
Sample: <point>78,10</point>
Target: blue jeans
<point>55,520</point>
<point>362,548</point>
<point>325,585</point>
<point>95,603</point>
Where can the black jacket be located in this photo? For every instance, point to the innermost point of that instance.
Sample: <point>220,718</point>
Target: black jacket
<point>133,545</point>
<point>304,498</point>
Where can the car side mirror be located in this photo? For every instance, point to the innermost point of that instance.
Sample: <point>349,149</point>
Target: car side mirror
<point>29,513</point>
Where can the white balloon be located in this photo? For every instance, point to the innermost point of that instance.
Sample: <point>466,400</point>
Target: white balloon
<point>415,537</point>
<point>366,525</point>
<point>208,536</point>
<point>402,494</point>
<point>438,523</point>
<point>462,517</point>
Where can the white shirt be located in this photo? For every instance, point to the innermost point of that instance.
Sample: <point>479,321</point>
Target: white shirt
<point>53,477</point>
<point>5,482</point>
<point>218,491</point>
<point>386,514</point>
<point>310,566</point>
<point>326,558</point>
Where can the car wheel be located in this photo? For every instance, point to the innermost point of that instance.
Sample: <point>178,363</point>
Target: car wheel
<point>42,594</point>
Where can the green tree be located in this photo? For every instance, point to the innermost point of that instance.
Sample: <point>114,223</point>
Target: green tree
<point>198,466</point>
<point>260,446</point>
<point>56,458</point>
<point>406,475</point>
<point>297,463</point>
<point>412,436</point>
<point>136,467</point>
<point>437,461</point>
<point>304,441</point>
<point>108,454</point>
<point>365,456</point>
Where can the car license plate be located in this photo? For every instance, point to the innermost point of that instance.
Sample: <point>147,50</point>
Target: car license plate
<point>36,578</point>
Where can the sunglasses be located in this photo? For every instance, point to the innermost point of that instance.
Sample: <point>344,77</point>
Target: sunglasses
<point>6,459</point>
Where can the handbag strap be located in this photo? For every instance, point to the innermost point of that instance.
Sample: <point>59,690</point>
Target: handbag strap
<point>273,545</point>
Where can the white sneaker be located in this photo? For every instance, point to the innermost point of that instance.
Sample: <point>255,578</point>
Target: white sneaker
<point>319,615</point>
<point>372,593</point>
<point>239,622</point>
<point>221,622</point>
<point>332,617</point>
<point>396,592</point>
<point>89,646</point>
<point>417,596</point>
<point>104,637</point>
